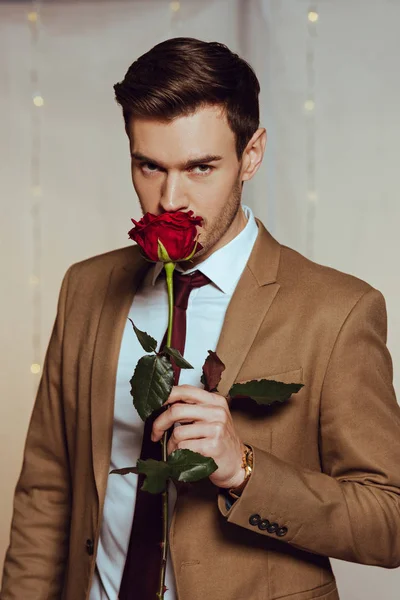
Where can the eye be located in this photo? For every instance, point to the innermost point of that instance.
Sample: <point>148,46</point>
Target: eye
<point>207,171</point>
<point>150,167</point>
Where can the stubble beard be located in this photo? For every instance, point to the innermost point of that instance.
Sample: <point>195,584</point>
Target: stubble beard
<point>222,224</point>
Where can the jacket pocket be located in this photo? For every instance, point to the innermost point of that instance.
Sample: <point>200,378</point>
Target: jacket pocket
<point>288,376</point>
<point>327,591</point>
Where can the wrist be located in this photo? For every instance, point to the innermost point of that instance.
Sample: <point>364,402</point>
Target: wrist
<point>238,480</point>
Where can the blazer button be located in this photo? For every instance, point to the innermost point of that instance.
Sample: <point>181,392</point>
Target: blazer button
<point>272,527</point>
<point>264,524</point>
<point>89,547</point>
<point>254,519</point>
<point>281,531</point>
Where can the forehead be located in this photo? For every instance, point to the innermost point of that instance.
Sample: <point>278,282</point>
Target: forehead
<point>206,131</point>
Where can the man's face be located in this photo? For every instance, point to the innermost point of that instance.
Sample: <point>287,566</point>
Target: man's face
<point>187,164</point>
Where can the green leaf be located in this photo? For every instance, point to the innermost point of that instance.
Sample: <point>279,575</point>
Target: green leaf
<point>151,384</point>
<point>157,472</point>
<point>178,358</point>
<point>265,391</point>
<point>186,465</point>
<point>148,343</point>
<point>182,465</point>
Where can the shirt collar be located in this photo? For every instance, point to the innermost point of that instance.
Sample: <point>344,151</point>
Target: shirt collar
<point>225,266</point>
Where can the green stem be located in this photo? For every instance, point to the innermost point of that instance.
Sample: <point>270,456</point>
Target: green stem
<point>169,269</point>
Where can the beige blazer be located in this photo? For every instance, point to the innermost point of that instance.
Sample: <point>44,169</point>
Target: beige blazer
<point>326,462</point>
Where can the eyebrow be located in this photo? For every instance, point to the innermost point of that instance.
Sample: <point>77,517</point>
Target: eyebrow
<point>193,162</point>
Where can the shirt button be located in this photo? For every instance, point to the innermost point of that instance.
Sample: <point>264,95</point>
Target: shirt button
<point>264,524</point>
<point>282,531</point>
<point>254,519</point>
<point>89,547</point>
<point>272,527</point>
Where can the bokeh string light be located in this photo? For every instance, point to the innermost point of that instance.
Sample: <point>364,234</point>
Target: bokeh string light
<point>309,109</point>
<point>175,9</point>
<point>37,103</point>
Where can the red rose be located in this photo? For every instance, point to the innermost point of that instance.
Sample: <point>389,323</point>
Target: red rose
<point>176,231</point>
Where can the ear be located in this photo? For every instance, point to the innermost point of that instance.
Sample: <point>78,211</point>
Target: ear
<point>253,154</point>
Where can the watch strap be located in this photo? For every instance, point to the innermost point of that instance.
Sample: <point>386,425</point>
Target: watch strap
<point>247,464</point>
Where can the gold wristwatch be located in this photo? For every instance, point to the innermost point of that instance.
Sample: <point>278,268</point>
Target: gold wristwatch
<point>247,464</point>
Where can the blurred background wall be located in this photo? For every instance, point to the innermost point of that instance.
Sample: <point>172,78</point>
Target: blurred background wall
<point>328,187</point>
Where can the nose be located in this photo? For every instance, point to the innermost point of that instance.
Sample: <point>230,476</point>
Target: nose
<point>173,196</point>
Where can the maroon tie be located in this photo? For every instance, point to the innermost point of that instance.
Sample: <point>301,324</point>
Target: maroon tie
<point>140,579</point>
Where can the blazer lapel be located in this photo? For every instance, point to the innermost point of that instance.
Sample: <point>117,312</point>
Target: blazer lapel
<point>123,283</point>
<point>251,300</point>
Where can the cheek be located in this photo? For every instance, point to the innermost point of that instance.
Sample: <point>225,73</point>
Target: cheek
<point>214,193</point>
<point>144,187</point>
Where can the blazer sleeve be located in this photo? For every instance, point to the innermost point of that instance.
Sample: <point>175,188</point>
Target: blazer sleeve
<point>349,510</point>
<point>37,553</point>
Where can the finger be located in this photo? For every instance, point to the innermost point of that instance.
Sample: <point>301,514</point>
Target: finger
<point>199,446</point>
<point>192,431</point>
<point>188,432</point>
<point>187,413</point>
<point>178,424</point>
<point>179,413</point>
<point>194,395</point>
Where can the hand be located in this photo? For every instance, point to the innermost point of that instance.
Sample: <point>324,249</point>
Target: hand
<point>209,430</point>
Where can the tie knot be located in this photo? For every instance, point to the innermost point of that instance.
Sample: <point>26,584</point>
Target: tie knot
<point>184,284</point>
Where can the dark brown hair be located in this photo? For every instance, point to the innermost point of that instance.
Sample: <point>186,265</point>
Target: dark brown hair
<point>182,74</point>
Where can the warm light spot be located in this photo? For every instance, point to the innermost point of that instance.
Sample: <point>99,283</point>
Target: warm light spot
<point>309,105</point>
<point>175,6</point>
<point>33,279</point>
<point>312,196</point>
<point>32,17</point>
<point>313,16</point>
<point>38,101</point>
<point>37,190</point>
<point>35,368</point>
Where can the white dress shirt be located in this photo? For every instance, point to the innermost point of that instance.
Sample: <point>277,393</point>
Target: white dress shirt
<point>149,311</point>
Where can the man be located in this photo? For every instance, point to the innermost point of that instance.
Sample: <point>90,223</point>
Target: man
<point>326,476</point>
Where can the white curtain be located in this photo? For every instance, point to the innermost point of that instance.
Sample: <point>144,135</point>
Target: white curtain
<point>328,186</point>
